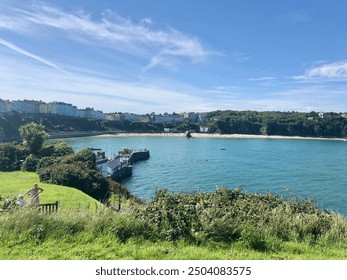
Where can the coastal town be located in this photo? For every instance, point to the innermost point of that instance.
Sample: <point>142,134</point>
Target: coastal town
<point>69,110</point>
<point>64,120</point>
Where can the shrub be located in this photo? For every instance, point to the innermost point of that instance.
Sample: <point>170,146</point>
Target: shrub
<point>125,227</point>
<point>84,156</point>
<point>78,176</point>
<point>30,163</point>
<point>11,155</point>
<point>57,149</point>
<point>46,162</point>
<point>260,221</point>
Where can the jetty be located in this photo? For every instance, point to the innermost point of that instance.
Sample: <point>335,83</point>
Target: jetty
<point>120,166</point>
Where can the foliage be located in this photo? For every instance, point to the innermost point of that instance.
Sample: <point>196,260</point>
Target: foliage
<point>56,149</point>
<point>34,134</point>
<point>85,156</point>
<point>46,162</point>
<point>7,203</point>
<point>30,163</point>
<point>225,224</point>
<point>278,123</point>
<point>76,234</point>
<point>79,176</point>
<point>260,221</point>
<point>11,155</point>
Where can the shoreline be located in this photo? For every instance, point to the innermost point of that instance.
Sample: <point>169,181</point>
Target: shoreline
<point>210,135</point>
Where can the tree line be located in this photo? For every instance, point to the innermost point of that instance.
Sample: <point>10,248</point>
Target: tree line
<point>310,124</point>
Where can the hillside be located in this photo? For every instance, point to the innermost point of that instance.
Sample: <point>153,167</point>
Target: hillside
<point>60,126</point>
<point>15,183</point>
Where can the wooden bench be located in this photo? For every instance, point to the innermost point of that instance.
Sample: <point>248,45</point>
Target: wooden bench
<point>48,207</point>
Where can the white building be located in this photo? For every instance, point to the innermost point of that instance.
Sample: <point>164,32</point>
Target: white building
<point>101,163</point>
<point>62,109</point>
<point>168,119</point>
<point>26,106</point>
<point>90,113</point>
<point>114,165</point>
<point>169,130</point>
<point>193,117</point>
<point>131,117</point>
<point>203,129</point>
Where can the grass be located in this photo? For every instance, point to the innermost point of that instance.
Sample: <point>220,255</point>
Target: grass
<point>84,236</point>
<point>162,230</point>
<point>18,182</point>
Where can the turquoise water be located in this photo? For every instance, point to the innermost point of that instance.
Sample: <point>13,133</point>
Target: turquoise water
<point>308,168</point>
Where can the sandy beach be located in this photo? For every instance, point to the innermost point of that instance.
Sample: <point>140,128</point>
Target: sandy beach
<point>210,135</point>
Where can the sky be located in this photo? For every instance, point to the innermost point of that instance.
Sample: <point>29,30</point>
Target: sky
<point>176,55</point>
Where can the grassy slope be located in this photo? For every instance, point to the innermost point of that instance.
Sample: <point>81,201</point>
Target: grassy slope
<point>15,183</point>
<point>87,234</point>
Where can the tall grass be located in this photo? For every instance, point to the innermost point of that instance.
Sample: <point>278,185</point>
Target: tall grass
<point>225,224</point>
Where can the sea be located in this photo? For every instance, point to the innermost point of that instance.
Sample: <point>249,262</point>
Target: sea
<point>304,169</point>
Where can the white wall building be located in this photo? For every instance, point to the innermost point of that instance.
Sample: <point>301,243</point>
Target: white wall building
<point>168,119</point>
<point>26,106</point>
<point>62,109</point>
<point>114,165</point>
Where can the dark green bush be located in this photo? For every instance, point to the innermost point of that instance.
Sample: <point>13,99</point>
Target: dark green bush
<point>30,163</point>
<point>57,149</point>
<point>260,221</point>
<point>84,156</point>
<point>11,154</point>
<point>78,176</point>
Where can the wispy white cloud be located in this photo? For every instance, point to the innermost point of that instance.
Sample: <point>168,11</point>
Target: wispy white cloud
<point>20,80</point>
<point>111,30</point>
<point>336,71</point>
<point>263,79</point>
<point>28,54</point>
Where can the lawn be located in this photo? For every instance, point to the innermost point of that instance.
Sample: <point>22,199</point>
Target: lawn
<point>18,182</point>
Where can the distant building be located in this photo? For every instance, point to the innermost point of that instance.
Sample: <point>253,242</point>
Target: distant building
<point>114,117</point>
<point>203,129</point>
<point>62,109</point>
<point>321,115</point>
<point>5,106</point>
<point>167,119</point>
<point>191,116</point>
<point>55,108</point>
<point>344,115</point>
<point>26,106</point>
<point>131,117</point>
<point>43,108</point>
<point>114,165</point>
<point>90,113</point>
<point>169,130</point>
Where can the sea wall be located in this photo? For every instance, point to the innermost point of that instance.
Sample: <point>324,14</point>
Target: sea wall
<point>138,155</point>
<point>124,172</point>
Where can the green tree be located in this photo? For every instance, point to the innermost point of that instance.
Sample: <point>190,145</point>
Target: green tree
<point>34,135</point>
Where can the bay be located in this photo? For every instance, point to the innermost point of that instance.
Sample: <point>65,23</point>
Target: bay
<point>306,168</point>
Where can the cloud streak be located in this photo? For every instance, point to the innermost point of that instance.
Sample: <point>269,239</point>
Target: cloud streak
<point>28,54</point>
<point>263,79</point>
<point>110,30</point>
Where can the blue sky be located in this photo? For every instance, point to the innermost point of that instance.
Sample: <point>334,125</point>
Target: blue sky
<point>174,56</point>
